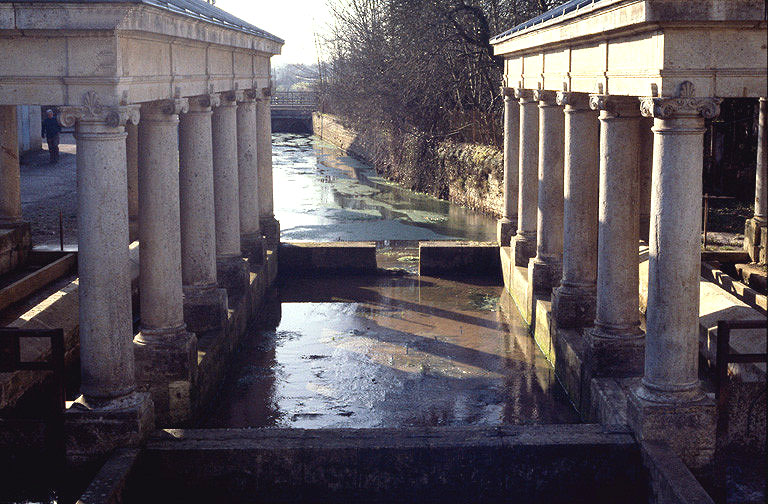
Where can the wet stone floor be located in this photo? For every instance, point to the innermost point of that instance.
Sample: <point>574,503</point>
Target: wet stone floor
<point>386,351</point>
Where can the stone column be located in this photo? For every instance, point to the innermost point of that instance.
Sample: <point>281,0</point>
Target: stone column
<point>755,230</point>
<point>506,226</point>
<point>232,269</point>
<point>524,242</point>
<point>10,193</point>
<point>205,305</point>
<point>251,240</point>
<point>669,403</point>
<point>270,227</point>
<point>545,270</point>
<point>573,302</point>
<point>132,155</point>
<point>616,340</point>
<point>108,382</point>
<point>645,170</point>
<point>166,352</point>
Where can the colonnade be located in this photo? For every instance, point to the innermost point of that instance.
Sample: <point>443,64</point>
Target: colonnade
<point>187,175</point>
<point>585,197</point>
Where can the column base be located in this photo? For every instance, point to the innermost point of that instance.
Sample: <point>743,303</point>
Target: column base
<point>166,367</point>
<point>94,430</point>
<point>505,230</point>
<point>205,309</point>
<point>270,228</point>
<point>254,248</point>
<point>573,306</point>
<point>688,426</point>
<point>754,244</point>
<point>615,355</point>
<point>523,248</point>
<point>232,273</point>
<point>543,276</point>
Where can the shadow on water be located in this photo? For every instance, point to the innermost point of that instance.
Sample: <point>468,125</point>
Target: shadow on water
<point>321,194</point>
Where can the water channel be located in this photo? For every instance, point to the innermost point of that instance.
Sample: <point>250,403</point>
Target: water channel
<point>394,349</point>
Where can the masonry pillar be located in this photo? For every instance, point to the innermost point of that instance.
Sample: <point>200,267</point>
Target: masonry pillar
<point>755,229</point>
<point>645,171</point>
<point>132,163</point>
<point>270,227</point>
<point>616,340</point>
<point>232,269</point>
<point>205,304</point>
<point>251,240</point>
<point>524,242</point>
<point>166,352</point>
<point>506,226</point>
<point>108,383</point>
<point>573,302</point>
<point>669,403</point>
<point>10,192</point>
<point>545,270</point>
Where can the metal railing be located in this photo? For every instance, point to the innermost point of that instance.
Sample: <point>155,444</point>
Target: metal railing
<point>305,100</point>
<point>723,358</point>
<point>10,361</point>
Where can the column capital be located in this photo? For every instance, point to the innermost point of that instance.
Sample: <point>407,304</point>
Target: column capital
<point>524,95</point>
<point>169,107</point>
<point>574,100</point>
<point>508,93</point>
<point>619,106</point>
<point>548,97</point>
<point>230,98</point>
<point>203,103</point>
<point>685,104</point>
<point>249,95</point>
<point>93,111</point>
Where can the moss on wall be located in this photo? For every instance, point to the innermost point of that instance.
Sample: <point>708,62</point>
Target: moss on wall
<point>467,174</point>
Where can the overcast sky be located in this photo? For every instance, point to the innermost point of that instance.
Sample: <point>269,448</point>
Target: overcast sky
<point>294,21</point>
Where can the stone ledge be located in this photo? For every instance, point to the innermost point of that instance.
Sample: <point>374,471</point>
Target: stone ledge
<point>315,258</point>
<point>458,258</point>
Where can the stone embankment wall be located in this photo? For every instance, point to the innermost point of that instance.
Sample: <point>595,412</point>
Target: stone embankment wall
<point>467,174</point>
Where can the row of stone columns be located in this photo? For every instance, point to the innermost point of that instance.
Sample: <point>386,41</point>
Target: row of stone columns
<point>581,163</point>
<point>189,173</point>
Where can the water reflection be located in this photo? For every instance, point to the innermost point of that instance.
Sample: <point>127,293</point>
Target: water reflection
<point>323,195</point>
<point>390,351</point>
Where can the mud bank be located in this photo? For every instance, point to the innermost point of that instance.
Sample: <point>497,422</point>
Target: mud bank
<point>466,174</point>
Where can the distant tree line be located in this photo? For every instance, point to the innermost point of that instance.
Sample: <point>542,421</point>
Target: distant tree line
<point>421,65</point>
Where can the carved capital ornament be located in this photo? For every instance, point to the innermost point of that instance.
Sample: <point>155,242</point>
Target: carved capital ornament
<point>684,104</point>
<point>92,110</point>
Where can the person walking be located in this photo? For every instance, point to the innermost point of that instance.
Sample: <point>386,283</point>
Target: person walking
<point>50,132</point>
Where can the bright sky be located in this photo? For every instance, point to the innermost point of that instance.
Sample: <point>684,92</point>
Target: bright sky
<point>294,21</point>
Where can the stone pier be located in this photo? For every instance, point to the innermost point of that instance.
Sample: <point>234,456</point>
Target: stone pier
<point>166,352</point>
<point>270,227</point>
<point>251,239</point>
<point>616,341</point>
<point>205,304</point>
<point>524,242</point>
<point>755,230</point>
<point>573,302</point>
<point>506,226</point>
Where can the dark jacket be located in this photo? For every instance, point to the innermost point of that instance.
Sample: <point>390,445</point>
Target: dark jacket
<point>51,127</point>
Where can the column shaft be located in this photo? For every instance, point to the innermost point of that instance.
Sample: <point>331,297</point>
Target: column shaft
<point>269,225</point>
<point>232,270</point>
<point>248,178</point>
<point>506,225</point>
<point>10,192</point>
<point>645,171</point>
<point>616,340</point>
<point>106,326</point>
<point>573,303</point>
<point>761,176</point>
<point>524,242</point>
<point>546,268</point>
<point>132,163</point>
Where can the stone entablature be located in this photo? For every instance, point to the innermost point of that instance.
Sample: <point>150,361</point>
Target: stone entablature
<point>643,48</point>
<point>54,53</point>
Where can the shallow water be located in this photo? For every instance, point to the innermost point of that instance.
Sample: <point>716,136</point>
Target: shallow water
<point>321,194</point>
<point>389,351</point>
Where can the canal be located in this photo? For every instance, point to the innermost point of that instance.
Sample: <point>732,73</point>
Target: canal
<point>389,350</point>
